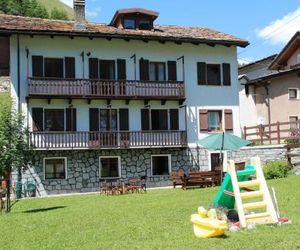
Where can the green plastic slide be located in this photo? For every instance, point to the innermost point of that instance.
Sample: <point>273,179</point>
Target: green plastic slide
<point>224,200</point>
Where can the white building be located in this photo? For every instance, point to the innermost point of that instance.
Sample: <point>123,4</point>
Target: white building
<point>121,100</point>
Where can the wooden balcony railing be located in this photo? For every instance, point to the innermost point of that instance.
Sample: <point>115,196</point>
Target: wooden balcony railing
<point>274,133</point>
<point>123,89</point>
<point>94,140</point>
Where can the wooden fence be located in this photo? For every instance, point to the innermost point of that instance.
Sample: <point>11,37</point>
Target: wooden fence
<point>274,133</point>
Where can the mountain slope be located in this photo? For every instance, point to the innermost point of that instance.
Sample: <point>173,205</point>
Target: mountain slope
<point>51,4</point>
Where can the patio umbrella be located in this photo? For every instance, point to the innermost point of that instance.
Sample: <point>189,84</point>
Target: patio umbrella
<point>222,141</point>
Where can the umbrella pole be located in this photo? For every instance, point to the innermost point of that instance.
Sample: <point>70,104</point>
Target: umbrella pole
<point>221,159</point>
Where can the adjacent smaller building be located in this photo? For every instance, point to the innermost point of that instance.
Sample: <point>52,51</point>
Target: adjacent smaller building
<point>269,88</point>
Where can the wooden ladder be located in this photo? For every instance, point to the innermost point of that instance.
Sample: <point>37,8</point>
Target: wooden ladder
<point>243,194</point>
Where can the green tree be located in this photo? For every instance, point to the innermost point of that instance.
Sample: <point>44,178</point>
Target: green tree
<point>59,14</point>
<point>15,152</point>
<point>29,8</point>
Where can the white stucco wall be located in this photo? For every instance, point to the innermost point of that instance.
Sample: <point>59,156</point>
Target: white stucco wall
<point>197,97</point>
<point>248,112</point>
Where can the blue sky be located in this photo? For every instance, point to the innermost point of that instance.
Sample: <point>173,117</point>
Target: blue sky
<point>266,24</point>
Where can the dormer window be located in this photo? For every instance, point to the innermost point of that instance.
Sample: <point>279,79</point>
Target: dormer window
<point>135,18</point>
<point>129,23</point>
<point>144,25</point>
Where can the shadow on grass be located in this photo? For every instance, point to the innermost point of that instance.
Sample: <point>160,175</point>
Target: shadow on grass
<point>43,209</point>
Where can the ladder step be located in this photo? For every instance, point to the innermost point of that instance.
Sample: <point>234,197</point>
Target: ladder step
<point>254,205</point>
<point>252,194</point>
<point>257,216</point>
<point>248,184</point>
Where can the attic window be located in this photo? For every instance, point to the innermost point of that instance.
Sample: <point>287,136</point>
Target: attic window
<point>129,23</point>
<point>145,25</point>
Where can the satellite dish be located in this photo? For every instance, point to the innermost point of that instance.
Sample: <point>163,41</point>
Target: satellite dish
<point>261,120</point>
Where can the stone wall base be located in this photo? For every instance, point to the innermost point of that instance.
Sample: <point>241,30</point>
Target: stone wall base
<point>83,166</point>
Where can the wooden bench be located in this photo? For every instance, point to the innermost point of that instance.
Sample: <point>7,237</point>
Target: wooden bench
<point>177,178</point>
<point>201,179</point>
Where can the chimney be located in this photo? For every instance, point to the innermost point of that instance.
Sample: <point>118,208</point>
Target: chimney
<point>79,14</point>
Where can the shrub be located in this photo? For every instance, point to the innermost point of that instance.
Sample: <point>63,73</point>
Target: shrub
<point>292,141</point>
<point>276,169</point>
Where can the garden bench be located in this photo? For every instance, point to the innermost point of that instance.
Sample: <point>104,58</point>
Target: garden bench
<point>177,178</point>
<point>201,179</point>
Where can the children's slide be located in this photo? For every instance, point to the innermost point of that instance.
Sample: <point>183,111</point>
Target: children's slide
<point>225,197</point>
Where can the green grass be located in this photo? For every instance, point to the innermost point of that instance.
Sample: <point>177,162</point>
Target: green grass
<point>51,4</point>
<point>159,219</point>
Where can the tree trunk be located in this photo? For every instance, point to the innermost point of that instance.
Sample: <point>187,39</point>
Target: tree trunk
<point>7,209</point>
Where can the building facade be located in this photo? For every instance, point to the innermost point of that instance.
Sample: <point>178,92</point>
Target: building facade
<point>270,88</point>
<point>123,100</point>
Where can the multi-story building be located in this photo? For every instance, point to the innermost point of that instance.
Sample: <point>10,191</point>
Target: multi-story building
<point>121,100</point>
<point>269,91</point>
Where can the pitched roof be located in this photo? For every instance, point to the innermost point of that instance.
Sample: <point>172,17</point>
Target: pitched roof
<point>284,73</point>
<point>286,52</point>
<point>27,25</point>
<point>119,12</point>
<point>260,61</point>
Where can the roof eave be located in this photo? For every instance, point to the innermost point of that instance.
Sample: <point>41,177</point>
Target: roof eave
<point>273,76</point>
<point>275,61</point>
<point>242,44</point>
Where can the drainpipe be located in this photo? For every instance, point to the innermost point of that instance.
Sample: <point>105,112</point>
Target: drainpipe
<point>19,77</point>
<point>269,104</point>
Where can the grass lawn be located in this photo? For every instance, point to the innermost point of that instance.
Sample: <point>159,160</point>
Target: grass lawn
<point>159,219</point>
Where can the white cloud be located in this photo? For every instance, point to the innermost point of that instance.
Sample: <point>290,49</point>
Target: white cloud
<point>245,60</point>
<point>94,13</point>
<point>68,2</point>
<point>281,30</point>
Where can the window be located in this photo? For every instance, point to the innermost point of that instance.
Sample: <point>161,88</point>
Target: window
<point>210,74</point>
<point>157,119</point>
<point>293,93</point>
<point>161,164</point>
<point>54,120</point>
<point>157,71</point>
<point>214,121</point>
<point>53,67</point>
<point>144,25</point>
<point>5,55</point>
<point>107,69</point>
<point>109,167</point>
<point>213,74</point>
<point>55,168</point>
<point>293,122</point>
<point>129,23</point>
<point>215,161</point>
<point>108,120</point>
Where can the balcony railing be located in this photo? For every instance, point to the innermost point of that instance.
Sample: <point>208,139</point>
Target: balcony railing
<point>115,89</point>
<point>95,140</point>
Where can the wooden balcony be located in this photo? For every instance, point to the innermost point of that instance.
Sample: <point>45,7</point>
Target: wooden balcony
<point>99,140</point>
<point>105,89</point>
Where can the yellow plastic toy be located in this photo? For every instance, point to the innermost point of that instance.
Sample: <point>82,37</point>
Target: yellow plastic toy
<point>206,224</point>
